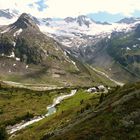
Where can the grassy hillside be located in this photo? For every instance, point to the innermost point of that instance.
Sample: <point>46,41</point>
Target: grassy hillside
<point>34,74</point>
<point>18,104</point>
<point>66,112</point>
<point>116,117</point>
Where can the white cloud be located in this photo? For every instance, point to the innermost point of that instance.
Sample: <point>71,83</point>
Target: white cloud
<point>21,5</point>
<point>64,8</point>
<point>15,3</point>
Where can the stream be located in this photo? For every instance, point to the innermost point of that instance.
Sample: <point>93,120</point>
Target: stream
<point>51,110</point>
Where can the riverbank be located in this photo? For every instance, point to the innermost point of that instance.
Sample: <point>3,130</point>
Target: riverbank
<point>68,110</point>
<point>51,110</point>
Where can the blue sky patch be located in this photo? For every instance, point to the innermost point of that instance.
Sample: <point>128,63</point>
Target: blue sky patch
<point>42,5</point>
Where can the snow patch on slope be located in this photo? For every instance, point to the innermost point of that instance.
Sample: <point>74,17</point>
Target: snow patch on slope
<point>12,55</point>
<point>18,32</point>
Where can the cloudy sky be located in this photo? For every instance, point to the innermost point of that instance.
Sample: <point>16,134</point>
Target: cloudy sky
<point>103,10</point>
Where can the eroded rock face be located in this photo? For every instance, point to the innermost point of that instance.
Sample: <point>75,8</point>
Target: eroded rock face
<point>25,21</point>
<point>24,39</point>
<point>83,20</point>
<point>69,19</point>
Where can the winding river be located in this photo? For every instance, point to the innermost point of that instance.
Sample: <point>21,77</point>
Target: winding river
<point>51,110</point>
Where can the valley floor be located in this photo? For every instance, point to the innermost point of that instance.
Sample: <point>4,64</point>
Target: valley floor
<point>82,115</point>
<point>18,104</point>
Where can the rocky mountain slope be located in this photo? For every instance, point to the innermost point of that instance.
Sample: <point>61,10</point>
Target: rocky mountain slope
<point>71,32</point>
<point>90,42</point>
<point>127,48</point>
<point>27,55</point>
<point>65,55</point>
<point>8,16</point>
<point>118,55</point>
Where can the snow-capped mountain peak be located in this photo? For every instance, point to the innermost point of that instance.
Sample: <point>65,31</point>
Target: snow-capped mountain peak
<point>9,13</point>
<point>84,20</point>
<point>77,31</point>
<point>25,21</point>
<point>8,16</point>
<point>130,20</point>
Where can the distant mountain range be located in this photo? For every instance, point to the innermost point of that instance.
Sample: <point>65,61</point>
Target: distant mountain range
<point>87,73</point>
<point>67,46</point>
<point>8,13</point>
<point>29,56</point>
<point>129,20</point>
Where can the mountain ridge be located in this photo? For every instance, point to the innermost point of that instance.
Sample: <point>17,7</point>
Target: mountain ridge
<point>42,57</point>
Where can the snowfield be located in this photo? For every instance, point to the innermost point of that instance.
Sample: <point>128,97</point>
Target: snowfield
<point>72,32</point>
<point>60,28</point>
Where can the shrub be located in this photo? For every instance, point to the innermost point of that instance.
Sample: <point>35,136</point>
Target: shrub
<point>81,102</point>
<point>101,98</point>
<point>3,134</point>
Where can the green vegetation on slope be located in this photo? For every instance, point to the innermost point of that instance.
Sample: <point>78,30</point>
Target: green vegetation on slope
<point>68,110</point>
<point>126,50</point>
<point>18,104</point>
<point>3,133</point>
<point>114,115</point>
<point>32,57</point>
<point>116,118</point>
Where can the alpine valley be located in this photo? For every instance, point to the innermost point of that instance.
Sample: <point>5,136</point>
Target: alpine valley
<point>68,79</point>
